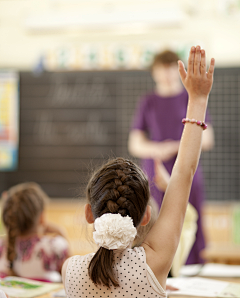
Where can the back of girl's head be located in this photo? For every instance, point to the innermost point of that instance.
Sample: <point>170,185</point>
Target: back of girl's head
<point>22,206</point>
<point>121,187</point>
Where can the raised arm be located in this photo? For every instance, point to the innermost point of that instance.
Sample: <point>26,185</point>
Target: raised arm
<point>162,241</point>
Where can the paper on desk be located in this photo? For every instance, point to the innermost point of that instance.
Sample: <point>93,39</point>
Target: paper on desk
<point>190,270</point>
<point>203,287</point>
<point>220,270</point>
<point>232,290</point>
<point>60,293</point>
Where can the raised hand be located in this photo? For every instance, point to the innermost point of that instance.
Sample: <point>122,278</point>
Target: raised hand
<point>196,80</point>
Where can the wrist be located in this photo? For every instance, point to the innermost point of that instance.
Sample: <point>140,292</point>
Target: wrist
<point>197,109</point>
<point>198,100</point>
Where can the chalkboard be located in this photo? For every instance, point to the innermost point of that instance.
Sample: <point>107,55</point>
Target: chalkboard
<point>222,165</point>
<point>71,121</point>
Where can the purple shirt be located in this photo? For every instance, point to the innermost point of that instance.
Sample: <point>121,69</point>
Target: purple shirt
<point>161,118</point>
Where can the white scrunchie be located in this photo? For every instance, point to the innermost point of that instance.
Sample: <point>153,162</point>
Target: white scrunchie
<point>113,231</point>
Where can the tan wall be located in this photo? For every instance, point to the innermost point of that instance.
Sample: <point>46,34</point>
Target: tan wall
<point>214,24</point>
<point>70,215</point>
<point>217,220</point>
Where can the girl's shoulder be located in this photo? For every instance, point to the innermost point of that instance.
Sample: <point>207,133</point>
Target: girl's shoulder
<point>53,240</point>
<point>79,260</point>
<point>55,244</point>
<point>137,253</point>
<point>134,258</point>
<point>75,263</point>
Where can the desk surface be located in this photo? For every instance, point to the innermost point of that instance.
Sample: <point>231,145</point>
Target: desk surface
<point>237,280</point>
<point>224,254</point>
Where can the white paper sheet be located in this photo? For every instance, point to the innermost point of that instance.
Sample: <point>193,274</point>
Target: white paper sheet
<point>190,270</point>
<point>220,270</point>
<point>60,293</point>
<point>203,287</point>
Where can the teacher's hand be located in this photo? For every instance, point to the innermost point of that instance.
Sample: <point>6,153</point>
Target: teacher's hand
<point>167,150</point>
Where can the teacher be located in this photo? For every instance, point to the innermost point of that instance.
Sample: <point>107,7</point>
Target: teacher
<point>156,131</point>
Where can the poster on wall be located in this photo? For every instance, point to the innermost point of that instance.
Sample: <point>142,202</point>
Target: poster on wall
<point>9,121</point>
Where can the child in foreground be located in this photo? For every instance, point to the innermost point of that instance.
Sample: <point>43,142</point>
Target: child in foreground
<point>28,251</point>
<point>118,195</point>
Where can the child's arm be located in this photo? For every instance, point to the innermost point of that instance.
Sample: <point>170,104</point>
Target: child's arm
<point>162,241</point>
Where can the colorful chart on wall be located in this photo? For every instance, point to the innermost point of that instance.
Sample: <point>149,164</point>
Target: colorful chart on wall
<point>9,121</point>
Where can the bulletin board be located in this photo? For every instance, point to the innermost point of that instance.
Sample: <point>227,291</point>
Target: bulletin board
<point>9,122</point>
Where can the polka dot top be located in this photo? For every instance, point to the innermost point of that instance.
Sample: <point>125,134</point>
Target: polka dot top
<point>135,277</point>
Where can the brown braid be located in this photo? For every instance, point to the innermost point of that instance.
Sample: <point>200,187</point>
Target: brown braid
<point>21,209</point>
<point>119,186</point>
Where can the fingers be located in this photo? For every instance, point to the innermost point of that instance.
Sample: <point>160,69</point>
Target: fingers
<point>197,63</point>
<point>182,70</point>
<point>197,60</point>
<point>191,60</point>
<point>203,63</point>
<point>211,69</point>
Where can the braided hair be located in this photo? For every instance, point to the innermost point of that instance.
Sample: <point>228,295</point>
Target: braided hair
<point>22,207</point>
<point>119,186</point>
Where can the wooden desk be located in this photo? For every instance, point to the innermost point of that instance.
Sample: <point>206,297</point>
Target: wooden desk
<point>49,295</point>
<point>222,253</point>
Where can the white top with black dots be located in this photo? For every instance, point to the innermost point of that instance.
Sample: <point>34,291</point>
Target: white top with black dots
<point>135,277</point>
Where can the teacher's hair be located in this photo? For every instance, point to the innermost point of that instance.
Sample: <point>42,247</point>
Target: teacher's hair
<point>164,58</point>
<point>119,186</point>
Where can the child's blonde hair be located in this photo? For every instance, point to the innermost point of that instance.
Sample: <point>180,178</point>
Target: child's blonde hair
<point>22,206</point>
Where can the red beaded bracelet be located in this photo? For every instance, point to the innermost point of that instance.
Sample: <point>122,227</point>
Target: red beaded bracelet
<point>200,123</point>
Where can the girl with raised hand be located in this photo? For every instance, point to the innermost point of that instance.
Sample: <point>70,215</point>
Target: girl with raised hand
<point>118,195</point>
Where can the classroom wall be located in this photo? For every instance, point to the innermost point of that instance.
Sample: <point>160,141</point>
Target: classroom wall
<point>220,223</point>
<point>31,28</point>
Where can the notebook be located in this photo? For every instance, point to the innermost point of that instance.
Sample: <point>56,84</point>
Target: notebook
<point>25,288</point>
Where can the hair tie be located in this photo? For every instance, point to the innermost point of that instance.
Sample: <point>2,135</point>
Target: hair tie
<point>113,231</point>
